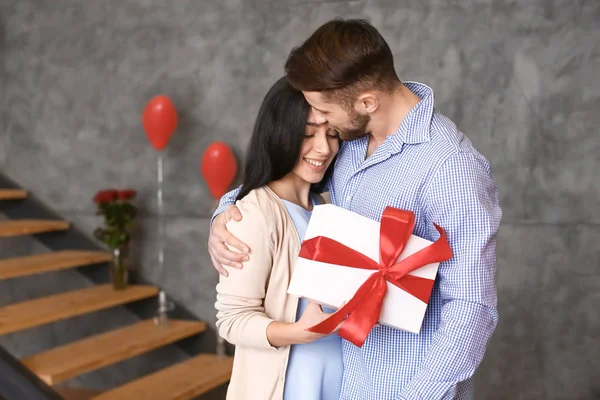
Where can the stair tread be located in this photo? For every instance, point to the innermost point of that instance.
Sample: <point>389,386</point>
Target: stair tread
<point>27,314</point>
<point>182,381</point>
<point>69,393</point>
<point>65,362</point>
<point>39,263</point>
<point>12,194</point>
<point>31,226</point>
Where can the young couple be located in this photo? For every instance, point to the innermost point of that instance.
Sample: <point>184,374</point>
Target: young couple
<point>396,150</point>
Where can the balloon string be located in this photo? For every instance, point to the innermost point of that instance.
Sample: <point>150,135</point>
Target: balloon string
<point>161,227</point>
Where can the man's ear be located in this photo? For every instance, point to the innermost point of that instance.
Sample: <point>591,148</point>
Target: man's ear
<point>367,103</point>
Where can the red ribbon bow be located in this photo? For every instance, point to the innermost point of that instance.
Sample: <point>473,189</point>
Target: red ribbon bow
<point>365,306</point>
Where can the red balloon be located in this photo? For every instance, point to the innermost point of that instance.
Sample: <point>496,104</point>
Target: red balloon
<point>218,167</point>
<point>159,120</point>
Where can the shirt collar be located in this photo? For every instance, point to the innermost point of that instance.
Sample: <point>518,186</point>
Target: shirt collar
<point>415,126</point>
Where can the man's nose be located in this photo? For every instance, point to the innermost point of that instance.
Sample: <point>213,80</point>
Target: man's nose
<point>320,118</point>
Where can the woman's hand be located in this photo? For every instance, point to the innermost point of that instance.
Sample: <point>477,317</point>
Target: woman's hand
<point>283,334</point>
<point>313,314</point>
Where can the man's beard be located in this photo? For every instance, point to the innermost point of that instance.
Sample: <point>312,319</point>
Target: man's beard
<point>358,125</point>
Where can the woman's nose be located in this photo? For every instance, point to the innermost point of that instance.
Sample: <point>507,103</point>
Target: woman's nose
<point>322,144</point>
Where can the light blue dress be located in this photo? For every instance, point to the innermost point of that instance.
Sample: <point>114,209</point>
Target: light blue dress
<point>315,369</point>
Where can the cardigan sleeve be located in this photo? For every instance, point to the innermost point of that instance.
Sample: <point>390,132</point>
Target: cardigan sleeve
<point>241,319</point>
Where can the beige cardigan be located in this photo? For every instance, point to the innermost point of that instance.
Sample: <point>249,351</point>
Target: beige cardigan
<point>248,300</point>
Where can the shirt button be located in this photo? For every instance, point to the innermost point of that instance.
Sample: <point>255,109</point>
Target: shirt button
<point>349,197</point>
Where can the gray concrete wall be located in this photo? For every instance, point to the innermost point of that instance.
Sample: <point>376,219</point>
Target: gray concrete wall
<point>520,78</point>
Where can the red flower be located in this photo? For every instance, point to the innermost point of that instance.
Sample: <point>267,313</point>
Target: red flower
<point>106,196</point>
<point>127,194</point>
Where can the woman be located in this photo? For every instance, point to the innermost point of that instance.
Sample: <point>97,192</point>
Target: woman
<point>275,356</point>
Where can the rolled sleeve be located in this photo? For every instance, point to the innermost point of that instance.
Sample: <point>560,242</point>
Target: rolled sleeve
<point>226,200</point>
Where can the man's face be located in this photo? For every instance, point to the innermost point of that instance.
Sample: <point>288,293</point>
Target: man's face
<point>350,124</point>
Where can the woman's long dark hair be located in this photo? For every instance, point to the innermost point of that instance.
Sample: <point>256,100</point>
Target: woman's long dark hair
<point>277,137</point>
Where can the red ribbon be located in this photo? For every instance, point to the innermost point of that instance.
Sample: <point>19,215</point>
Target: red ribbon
<point>365,306</point>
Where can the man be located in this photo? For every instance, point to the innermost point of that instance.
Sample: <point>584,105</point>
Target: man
<point>401,152</point>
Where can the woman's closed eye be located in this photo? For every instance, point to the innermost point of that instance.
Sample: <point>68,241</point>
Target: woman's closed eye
<point>332,133</point>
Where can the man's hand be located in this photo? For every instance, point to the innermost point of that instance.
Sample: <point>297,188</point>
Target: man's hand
<point>220,255</point>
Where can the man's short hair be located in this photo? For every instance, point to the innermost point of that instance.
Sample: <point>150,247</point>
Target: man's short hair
<point>342,59</point>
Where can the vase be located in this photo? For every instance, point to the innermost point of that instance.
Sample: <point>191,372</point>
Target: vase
<point>118,269</point>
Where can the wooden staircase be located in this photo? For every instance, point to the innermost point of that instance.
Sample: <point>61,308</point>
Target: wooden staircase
<point>186,380</point>
<point>179,382</point>
<point>12,194</point>
<point>40,263</point>
<point>31,227</point>
<point>65,362</point>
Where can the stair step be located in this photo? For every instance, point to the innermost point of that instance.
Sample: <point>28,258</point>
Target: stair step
<point>31,226</point>
<point>15,317</point>
<point>30,265</point>
<point>12,194</point>
<point>68,393</point>
<point>66,362</point>
<point>182,381</point>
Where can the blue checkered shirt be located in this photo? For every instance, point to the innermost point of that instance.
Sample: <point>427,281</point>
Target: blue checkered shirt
<point>428,166</point>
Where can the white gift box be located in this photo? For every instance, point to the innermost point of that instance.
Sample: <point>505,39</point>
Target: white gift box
<point>331,285</point>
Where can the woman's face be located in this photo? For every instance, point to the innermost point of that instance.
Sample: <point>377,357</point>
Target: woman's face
<point>319,147</point>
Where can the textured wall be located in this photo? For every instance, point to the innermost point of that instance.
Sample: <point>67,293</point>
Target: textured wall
<point>520,78</point>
